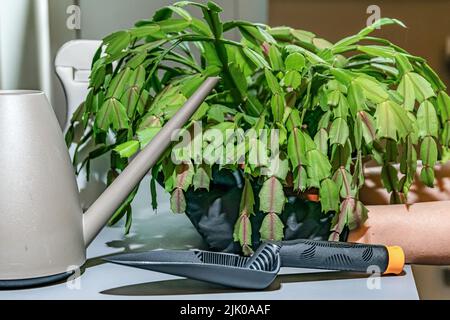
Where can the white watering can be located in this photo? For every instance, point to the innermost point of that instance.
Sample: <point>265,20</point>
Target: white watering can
<point>43,231</point>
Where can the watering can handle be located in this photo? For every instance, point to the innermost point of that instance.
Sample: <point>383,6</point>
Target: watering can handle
<point>111,199</point>
<point>342,256</point>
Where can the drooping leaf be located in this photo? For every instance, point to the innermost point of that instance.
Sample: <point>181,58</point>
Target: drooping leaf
<point>272,196</point>
<point>238,78</point>
<point>173,25</point>
<point>272,82</point>
<point>202,177</point>
<point>112,113</point>
<point>278,167</point>
<point>256,58</point>
<point>276,60</point>
<point>406,89</point>
<point>367,126</point>
<point>300,179</point>
<point>184,174</point>
<point>428,151</point>
<point>339,132</point>
<point>427,121</point>
<point>116,42</point>
<point>372,89</point>
<point>422,88</point>
<point>329,196</point>
<point>443,102</point>
<point>297,148</point>
<point>271,228</point>
<point>127,149</point>
<point>427,176</point>
<point>177,201</point>
<point>243,232</point>
<point>145,31</point>
<point>356,213</point>
<point>318,167</point>
<point>392,121</point>
<point>321,141</point>
<point>119,84</point>
<point>146,135</point>
<point>247,199</point>
<point>389,177</point>
<point>278,104</point>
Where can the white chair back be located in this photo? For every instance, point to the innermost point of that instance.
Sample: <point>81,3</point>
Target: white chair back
<point>73,67</point>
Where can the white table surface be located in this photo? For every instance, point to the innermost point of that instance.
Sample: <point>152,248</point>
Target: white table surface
<point>166,230</point>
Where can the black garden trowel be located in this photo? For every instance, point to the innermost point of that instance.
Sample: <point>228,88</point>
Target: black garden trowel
<point>260,270</point>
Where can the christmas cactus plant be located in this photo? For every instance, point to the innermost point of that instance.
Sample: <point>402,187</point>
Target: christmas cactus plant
<point>333,107</point>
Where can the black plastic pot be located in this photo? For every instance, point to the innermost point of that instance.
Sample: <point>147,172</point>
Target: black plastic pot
<point>214,214</point>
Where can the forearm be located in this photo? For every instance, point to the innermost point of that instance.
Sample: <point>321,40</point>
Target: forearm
<point>422,230</point>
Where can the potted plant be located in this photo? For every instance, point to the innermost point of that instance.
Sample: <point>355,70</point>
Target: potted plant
<point>332,106</point>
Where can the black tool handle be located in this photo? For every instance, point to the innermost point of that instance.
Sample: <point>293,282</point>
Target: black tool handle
<point>341,256</point>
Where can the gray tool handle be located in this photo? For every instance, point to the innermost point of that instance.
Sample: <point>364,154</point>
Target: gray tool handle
<point>341,256</point>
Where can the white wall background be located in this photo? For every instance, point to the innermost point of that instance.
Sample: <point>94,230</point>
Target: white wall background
<point>24,53</point>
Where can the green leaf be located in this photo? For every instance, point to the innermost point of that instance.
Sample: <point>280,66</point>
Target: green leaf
<point>247,200</point>
<point>173,25</point>
<point>127,149</point>
<point>271,196</point>
<point>118,84</point>
<point>153,193</point>
<point>146,135</point>
<point>367,126</point>
<point>406,89</point>
<point>122,210</point>
<point>292,79</point>
<point>329,196</point>
<point>295,62</point>
<point>184,174</point>
<point>238,78</point>
<point>422,88</point>
<point>318,167</point>
<point>393,121</point>
<point>427,176</point>
<point>339,132</point>
<point>243,232</point>
<point>272,82</point>
<point>271,228</point>
<point>321,141</point>
<point>278,168</point>
<point>177,201</point>
<point>343,180</point>
<point>300,178</point>
<point>378,51</point>
<point>372,89</point>
<point>202,177</point>
<point>443,102</point>
<point>389,177</point>
<point>356,213</point>
<point>112,113</point>
<point>145,31</point>
<point>427,120</point>
<point>275,58</point>
<point>256,58</point>
<point>428,152</point>
<point>116,42</point>
<point>297,148</point>
<point>333,97</point>
<point>132,101</point>
<point>278,106</point>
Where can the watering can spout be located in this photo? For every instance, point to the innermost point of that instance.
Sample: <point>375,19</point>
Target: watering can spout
<point>103,208</point>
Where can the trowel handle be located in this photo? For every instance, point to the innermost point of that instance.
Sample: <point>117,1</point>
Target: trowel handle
<point>342,256</point>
